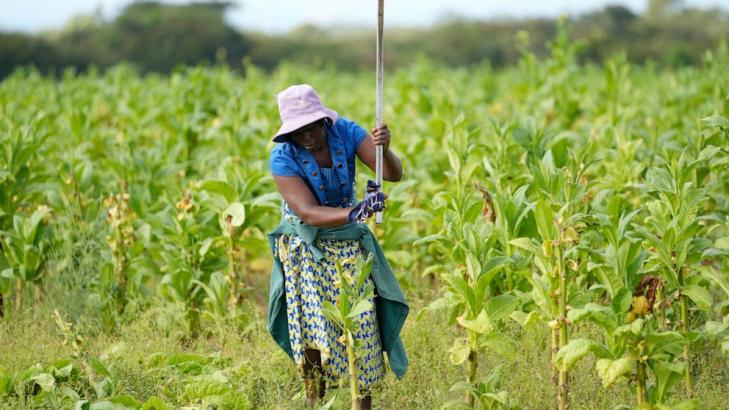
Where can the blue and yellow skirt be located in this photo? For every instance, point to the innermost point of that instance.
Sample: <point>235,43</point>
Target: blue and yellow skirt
<point>308,283</point>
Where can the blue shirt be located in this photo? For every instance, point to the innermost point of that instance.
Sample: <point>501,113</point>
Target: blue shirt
<point>330,186</point>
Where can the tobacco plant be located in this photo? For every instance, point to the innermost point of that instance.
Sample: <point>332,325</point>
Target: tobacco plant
<point>25,252</point>
<point>187,256</point>
<point>354,298</point>
<point>673,233</point>
<point>560,217</point>
<point>241,197</point>
<point>469,293</point>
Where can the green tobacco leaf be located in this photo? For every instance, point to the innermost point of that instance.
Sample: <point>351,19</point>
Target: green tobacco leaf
<point>716,121</point>
<point>525,320</point>
<point>444,302</point>
<point>205,247</point>
<point>361,307</point>
<point>204,387</point>
<point>633,328</point>
<point>461,386</point>
<point>498,343</point>
<point>691,404</point>
<point>525,244</point>
<point>500,307</point>
<point>332,313</point>
<point>715,276</point>
<point>700,296</point>
<point>622,301</point>
<point>155,403</point>
<point>671,342</point>
<point>100,368</point>
<point>612,371</point>
<point>215,186</point>
<point>667,374</point>
<point>62,372</point>
<point>722,243</point>
<point>105,405</point>
<point>576,349</point>
<point>545,221</point>
<point>126,401</point>
<point>473,266</point>
<point>593,312</point>
<point>480,325</point>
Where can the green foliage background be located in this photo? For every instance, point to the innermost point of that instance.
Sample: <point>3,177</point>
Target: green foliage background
<point>200,137</point>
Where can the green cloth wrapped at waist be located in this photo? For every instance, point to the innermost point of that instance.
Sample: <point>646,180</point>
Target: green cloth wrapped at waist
<point>391,307</point>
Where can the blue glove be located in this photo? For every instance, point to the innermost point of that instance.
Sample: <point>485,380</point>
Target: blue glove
<point>373,202</point>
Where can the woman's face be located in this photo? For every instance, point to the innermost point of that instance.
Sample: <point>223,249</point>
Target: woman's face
<point>312,136</point>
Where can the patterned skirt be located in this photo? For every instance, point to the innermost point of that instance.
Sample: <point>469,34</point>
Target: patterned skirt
<point>308,283</point>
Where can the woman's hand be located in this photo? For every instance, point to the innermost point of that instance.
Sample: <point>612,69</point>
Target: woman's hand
<point>391,166</point>
<point>373,202</point>
<point>381,136</point>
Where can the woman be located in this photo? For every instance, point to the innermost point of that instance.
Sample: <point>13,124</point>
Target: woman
<point>313,166</point>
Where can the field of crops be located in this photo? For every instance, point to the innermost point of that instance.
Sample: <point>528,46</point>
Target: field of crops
<point>561,232</point>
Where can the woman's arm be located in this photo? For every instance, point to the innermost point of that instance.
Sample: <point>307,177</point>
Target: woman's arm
<point>299,198</point>
<point>391,166</point>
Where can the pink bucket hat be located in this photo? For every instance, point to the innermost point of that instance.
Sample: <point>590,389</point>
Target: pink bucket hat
<point>300,105</point>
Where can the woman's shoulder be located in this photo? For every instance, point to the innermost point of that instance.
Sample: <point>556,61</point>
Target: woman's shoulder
<point>282,160</point>
<point>351,133</point>
<point>285,149</point>
<point>345,124</point>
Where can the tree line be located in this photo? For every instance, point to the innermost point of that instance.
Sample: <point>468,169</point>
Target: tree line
<point>159,37</point>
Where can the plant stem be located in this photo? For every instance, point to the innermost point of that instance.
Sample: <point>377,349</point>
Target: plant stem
<point>555,349</point>
<point>563,336</point>
<point>37,293</point>
<point>193,318</point>
<point>121,277</point>
<point>658,308</point>
<point>686,348</point>
<point>471,375</point>
<point>19,288</point>
<point>640,389</point>
<point>232,275</point>
<point>352,359</point>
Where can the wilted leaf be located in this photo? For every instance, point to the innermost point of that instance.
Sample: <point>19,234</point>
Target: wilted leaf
<point>459,351</point>
<point>46,381</point>
<point>575,350</point>
<point>610,371</point>
<point>237,214</point>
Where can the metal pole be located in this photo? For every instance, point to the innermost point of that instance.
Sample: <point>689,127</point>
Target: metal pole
<point>379,120</point>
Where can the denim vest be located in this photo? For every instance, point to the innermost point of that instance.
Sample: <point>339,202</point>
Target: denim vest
<point>312,173</point>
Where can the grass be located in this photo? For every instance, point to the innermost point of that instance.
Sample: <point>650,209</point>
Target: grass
<point>261,373</point>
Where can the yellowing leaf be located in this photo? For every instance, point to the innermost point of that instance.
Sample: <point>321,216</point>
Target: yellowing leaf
<point>612,371</point>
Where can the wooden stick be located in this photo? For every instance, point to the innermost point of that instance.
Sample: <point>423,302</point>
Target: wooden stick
<point>379,120</point>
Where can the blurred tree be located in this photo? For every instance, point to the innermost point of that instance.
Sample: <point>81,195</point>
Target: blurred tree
<point>20,49</point>
<point>158,37</point>
<point>663,8</point>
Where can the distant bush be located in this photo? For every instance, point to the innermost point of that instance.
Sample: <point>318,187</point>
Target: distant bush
<point>159,37</point>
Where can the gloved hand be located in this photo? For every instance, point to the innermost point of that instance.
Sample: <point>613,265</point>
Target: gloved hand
<point>373,202</point>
